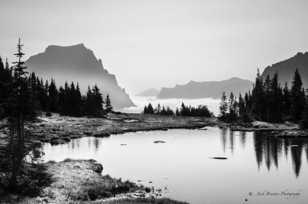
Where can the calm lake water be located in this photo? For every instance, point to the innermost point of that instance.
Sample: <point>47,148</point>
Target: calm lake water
<point>258,168</point>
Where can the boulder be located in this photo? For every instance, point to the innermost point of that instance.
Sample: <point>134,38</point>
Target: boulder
<point>261,124</point>
<point>159,141</point>
<point>98,168</point>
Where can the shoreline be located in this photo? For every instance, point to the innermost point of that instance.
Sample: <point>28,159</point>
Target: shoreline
<point>62,129</point>
<point>282,130</point>
<point>82,181</point>
<point>92,185</point>
<point>58,129</point>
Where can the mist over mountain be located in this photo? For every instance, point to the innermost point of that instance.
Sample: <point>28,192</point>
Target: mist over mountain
<point>149,92</point>
<point>207,89</point>
<point>79,64</point>
<point>286,69</point>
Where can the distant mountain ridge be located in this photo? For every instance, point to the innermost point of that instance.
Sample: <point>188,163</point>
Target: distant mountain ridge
<point>149,92</point>
<point>79,64</point>
<point>207,89</point>
<point>286,68</point>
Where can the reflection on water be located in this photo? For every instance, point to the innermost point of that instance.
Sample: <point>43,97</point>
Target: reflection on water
<point>256,162</point>
<point>269,149</point>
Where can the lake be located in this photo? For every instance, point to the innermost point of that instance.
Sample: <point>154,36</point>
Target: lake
<point>258,168</point>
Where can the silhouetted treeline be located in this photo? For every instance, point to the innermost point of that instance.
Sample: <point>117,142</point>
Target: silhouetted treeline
<point>159,110</point>
<point>184,110</point>
<point>66,100</point>
<point>268,101</point>
<point>200,110</point>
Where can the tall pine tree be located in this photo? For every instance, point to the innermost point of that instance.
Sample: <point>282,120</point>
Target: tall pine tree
<point>20,108</point>
<point>223,107</point>
<point>297,97</point>
<point>257,97</point>
<point>53,95</point>
<point>108,106</point>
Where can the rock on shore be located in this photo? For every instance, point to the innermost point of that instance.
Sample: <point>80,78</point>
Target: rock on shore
<point>80,180</point>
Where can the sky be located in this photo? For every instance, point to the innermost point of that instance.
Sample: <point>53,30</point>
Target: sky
<point>161,43</point>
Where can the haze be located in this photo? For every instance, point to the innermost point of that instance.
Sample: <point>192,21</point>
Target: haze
<point>150,44</point>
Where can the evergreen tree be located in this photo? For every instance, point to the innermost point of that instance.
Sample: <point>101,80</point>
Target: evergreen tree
<point>99,102</point>
<point>1,88</point>
<point>232,107</point>
<point>163,111</point>
<point>297,97</point>
<point>20,108</point>
<point>248,103</point>
<point>223,107</point>
<point>78,101</point>
<point>177,112</point>
<point>42,95</point>
<point>89,101</point>
<point>158,109</point>
<point>242,108</point>
<point>169,111</point>
<point>145,110</point>
<point>108,106</point>
<point>276,100</point>
<point>286,102</point>
<point>5,82</point>
<point>304,120</point>
<point>65,106</point>
<point>257,98</point>
<point>69,101</point>
<point>148,109</point>
<point>74,100</point>
<point>53,95</point>
<point>94,102</point>
<point>184,110</point>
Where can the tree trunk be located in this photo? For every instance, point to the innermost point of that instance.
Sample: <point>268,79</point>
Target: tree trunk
<point>17,151</point>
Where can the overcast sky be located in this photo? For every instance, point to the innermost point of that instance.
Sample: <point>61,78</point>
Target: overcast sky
<point>155,43</point>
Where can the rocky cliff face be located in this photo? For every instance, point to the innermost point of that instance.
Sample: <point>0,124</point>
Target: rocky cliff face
<point>286,69</point>
<point>79,64</point>
<point>208,89</point>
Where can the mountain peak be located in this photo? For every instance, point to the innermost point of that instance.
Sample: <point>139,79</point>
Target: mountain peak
<point>286,69</point>
<point>299,54</point>
<point>79,64</point>
<point>80,46</point>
